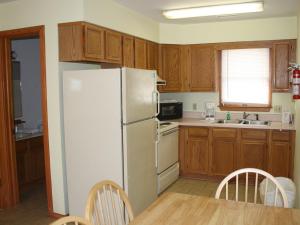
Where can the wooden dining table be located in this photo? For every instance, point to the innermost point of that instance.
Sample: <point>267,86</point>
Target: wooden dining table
<point>182,209</point>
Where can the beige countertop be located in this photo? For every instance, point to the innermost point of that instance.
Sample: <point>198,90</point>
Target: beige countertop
<point>23,136</point>
<point>206,123</point>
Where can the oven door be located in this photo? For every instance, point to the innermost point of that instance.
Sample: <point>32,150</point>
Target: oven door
<point>167,151</point>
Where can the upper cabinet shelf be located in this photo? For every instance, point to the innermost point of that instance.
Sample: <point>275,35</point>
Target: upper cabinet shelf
<point>86,42</point>
<point>82,41</point>
<point>186,68</point>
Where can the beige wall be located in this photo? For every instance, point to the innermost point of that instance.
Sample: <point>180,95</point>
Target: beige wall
<point>245,30</point>
<point>110,14</point>
<point>25,13</point>
<point>297,150</point>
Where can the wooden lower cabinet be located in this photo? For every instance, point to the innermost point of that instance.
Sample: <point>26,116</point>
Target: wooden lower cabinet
<point>30,160</point>
<point>216,152</point>
<point>253,154</point>
<point>196,156</point>
<point>279,159</point>
<point>222,157</point>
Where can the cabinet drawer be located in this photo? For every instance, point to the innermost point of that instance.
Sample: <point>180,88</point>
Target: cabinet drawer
<point>224,133</point>
<point>280,135</point>
<point>198,132</point>
<point>254,134</point>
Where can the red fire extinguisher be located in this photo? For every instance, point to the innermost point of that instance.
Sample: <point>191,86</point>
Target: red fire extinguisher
<point>296,83</point>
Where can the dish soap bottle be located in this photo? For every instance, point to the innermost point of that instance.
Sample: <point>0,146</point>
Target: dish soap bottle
<point>228,116</point>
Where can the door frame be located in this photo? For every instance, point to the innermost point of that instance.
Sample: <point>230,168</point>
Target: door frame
<point>9,172</point>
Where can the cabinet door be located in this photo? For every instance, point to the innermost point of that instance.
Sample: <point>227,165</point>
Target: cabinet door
<point>113,47</point>
<point>36,158</point>
<point>170,71</point>
<point>140,53</point>
<point>253,154</point>
<point>196,156</point>
<point>279,163</point>
<point>93,42</point>
<point>282,55</point>
<point>128,51</point>
<point>152,56</point>
<point>222,158</point>
<point>202,68</point>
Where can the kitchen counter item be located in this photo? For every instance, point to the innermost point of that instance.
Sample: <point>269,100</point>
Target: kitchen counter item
<point>183,209</point>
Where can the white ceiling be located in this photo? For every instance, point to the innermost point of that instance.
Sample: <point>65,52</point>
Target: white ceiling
<point>154,8</point>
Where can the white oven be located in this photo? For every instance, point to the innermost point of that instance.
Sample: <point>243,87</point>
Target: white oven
<point>167,155</point>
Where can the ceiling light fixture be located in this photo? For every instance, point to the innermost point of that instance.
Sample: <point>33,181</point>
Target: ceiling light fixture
<point>215,10</point>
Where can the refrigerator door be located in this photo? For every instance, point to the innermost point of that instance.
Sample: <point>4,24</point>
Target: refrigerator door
<point>139,95</point>
<point>139,164</point>
<point>93,132</point>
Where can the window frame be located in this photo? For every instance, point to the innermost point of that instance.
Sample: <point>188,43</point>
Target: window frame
<point>246,106</point>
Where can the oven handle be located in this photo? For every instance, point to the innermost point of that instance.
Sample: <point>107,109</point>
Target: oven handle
<point>170,132</point>
<point>156,142</point>
<point>157,102</point>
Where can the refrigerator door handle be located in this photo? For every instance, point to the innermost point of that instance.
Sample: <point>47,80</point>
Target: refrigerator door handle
<point>156,153</point>
<point>157,102</point>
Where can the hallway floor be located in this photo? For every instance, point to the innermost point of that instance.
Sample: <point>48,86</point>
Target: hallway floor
<point>32,209</point>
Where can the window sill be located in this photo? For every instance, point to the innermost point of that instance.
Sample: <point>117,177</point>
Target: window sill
<point>245,108</point>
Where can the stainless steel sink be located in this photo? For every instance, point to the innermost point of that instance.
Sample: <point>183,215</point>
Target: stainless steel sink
<point>244,122</point>
<point>255,122</point>
<point>228,121</point>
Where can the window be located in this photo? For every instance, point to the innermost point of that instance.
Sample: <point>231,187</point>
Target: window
<point>245,78</point>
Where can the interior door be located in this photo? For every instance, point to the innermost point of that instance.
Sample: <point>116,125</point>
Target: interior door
<point>9,192</point>
<point>138,94</point>
<point>140,177</point>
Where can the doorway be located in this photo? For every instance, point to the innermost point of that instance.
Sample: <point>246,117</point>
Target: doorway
<point>24,159</point>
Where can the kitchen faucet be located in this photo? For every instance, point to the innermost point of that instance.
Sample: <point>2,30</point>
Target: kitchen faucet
<point>245,115</point>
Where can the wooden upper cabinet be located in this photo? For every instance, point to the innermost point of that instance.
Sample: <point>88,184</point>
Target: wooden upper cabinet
<point>202,77</point>
<point>170,67</point>
<point>283,53</point>
<point>128,51</point>
<point>140,53</point>
<point>152,56</point>
<point>93,42</point>
<point>81,42</point>
<point>113,46</point>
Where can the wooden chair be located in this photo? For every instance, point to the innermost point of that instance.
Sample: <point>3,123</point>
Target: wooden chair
<point>108,204</point>
<point>71,220</point>
<point>257,172</point>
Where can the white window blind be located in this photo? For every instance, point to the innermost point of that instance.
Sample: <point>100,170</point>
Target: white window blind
<point>245,76</point>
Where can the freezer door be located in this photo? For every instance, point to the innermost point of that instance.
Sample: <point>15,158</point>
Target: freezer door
<point>139,97</point>
<point>93,132</point>
<point>139,164</point>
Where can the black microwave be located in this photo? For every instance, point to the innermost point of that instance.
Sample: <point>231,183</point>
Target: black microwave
<point>170,110</point>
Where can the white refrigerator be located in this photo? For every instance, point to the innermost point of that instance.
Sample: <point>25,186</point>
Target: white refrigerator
<point>110,133</point>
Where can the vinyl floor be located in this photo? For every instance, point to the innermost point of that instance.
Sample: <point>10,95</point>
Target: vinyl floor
<point>32,210</point>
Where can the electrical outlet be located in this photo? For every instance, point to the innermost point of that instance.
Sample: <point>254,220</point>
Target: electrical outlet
<point>194,106</point>
<point>277,108</point>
